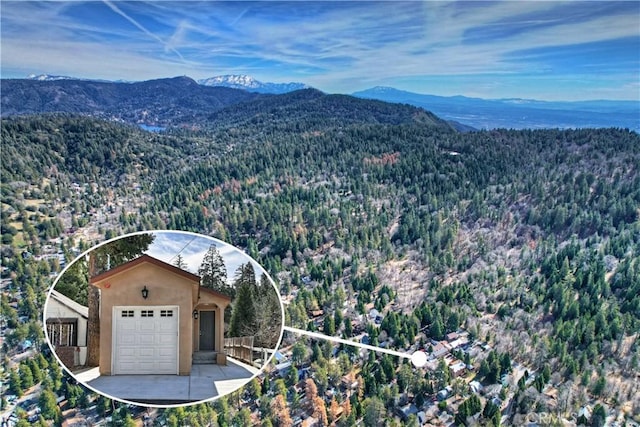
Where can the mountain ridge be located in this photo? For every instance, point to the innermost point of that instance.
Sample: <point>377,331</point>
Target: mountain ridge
<point>323,109</point>
<point>152,102</point>
<point>516,113</point>
<point>181,101</point>
<point>462,112</point>
<point>391,89</point>
<point>245,82</point>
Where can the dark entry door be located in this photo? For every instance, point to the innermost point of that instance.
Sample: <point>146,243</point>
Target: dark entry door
<point>207,330</point>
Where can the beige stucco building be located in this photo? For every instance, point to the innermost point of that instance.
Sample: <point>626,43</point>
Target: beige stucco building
<point>154,317</point>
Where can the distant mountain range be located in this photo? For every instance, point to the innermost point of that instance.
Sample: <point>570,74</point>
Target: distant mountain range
<point>48,78</point>
<point>160,102</point>
<point>52,78</point>
<point>517,113</point>
<point>182,101</point>
<point>252,85</point>
<point>234,81</point>
<point>464,113</point>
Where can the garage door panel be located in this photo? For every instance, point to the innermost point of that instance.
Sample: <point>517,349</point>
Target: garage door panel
<point>146,341</point>
<point>129,339</point>
<point>164,366</point>
<point>146,352</point>
<point>147,325</point>
<point>166,339</point>
<point>127,324</point>
<point>126,352</point>
<point>165,352</point>
<point>130,361</point>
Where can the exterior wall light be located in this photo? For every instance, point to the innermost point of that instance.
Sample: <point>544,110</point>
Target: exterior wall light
<point>145,292</point>
<point>195,314</point>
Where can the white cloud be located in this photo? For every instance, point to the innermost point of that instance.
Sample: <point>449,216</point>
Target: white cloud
<point>193,247</point>
<point>340,47</point>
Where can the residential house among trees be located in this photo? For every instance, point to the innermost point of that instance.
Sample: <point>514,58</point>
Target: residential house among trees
<point>155,316</point>
<point>66,325</point>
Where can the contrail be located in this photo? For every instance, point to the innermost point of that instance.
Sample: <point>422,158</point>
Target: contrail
<point>239,17</point>
<point>119,11</point>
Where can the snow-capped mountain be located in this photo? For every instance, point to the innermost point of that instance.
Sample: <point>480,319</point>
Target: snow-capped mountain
<point>48,78</point>
<point>250,84</point>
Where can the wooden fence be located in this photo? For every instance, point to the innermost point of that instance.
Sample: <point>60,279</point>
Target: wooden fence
<point>240,348</point>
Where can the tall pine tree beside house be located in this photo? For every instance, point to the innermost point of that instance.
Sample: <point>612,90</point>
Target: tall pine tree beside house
<point>179,262</point>
<point>268,314</point>
<point>213,273</point>
<point>243,317</point>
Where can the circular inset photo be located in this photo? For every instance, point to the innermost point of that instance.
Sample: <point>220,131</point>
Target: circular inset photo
<point>164,318</point>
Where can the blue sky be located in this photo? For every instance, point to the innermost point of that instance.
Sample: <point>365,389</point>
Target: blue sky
<point>529,49</point>
<point>168,244</point>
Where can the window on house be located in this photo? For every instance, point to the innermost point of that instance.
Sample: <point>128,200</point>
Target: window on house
<point>146,313</point>
<point>63,332</point>
<point>166,313</point>
<point>126,313</point>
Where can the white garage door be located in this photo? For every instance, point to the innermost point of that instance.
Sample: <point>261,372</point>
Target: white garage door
<point>145,340</point>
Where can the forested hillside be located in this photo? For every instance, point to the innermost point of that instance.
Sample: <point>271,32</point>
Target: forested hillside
<point>527,241</point>
<point>155,102</point>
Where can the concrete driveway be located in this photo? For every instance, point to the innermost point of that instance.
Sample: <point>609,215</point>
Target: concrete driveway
<point>204,383</point>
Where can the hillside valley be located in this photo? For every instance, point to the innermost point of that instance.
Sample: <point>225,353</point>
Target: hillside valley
<point>525,243</point>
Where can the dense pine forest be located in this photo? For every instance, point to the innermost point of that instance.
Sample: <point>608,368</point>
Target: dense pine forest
<point>528,241</point>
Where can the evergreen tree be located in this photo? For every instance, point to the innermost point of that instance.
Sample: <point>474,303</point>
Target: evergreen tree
<point>292,376</point>
<point>437,329</point>
<point>266,385</point>
<point>329,327</point>
<point>48,406</point>
<point>74,283</point>
<point>254,388</point>
<point>374,412</point>
<point>15,383</point>
<point>26,376</point>
<point>299,352</point>
<point>243,317</point>
<point>492,412</point>
<point>599,416</point>
<point>213,273</point>
<point>42,361</point>
<point>180,263</point>
<point>103,405</point>
<point>242,418</point>
<point>35,370</point>
<point>348,328</point>
<point>268,314</point>
<point>55,374</point>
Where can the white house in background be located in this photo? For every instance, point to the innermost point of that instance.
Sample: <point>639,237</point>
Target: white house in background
<point>475,386</point>
<point>66,322</point>
<point>458,368</point>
